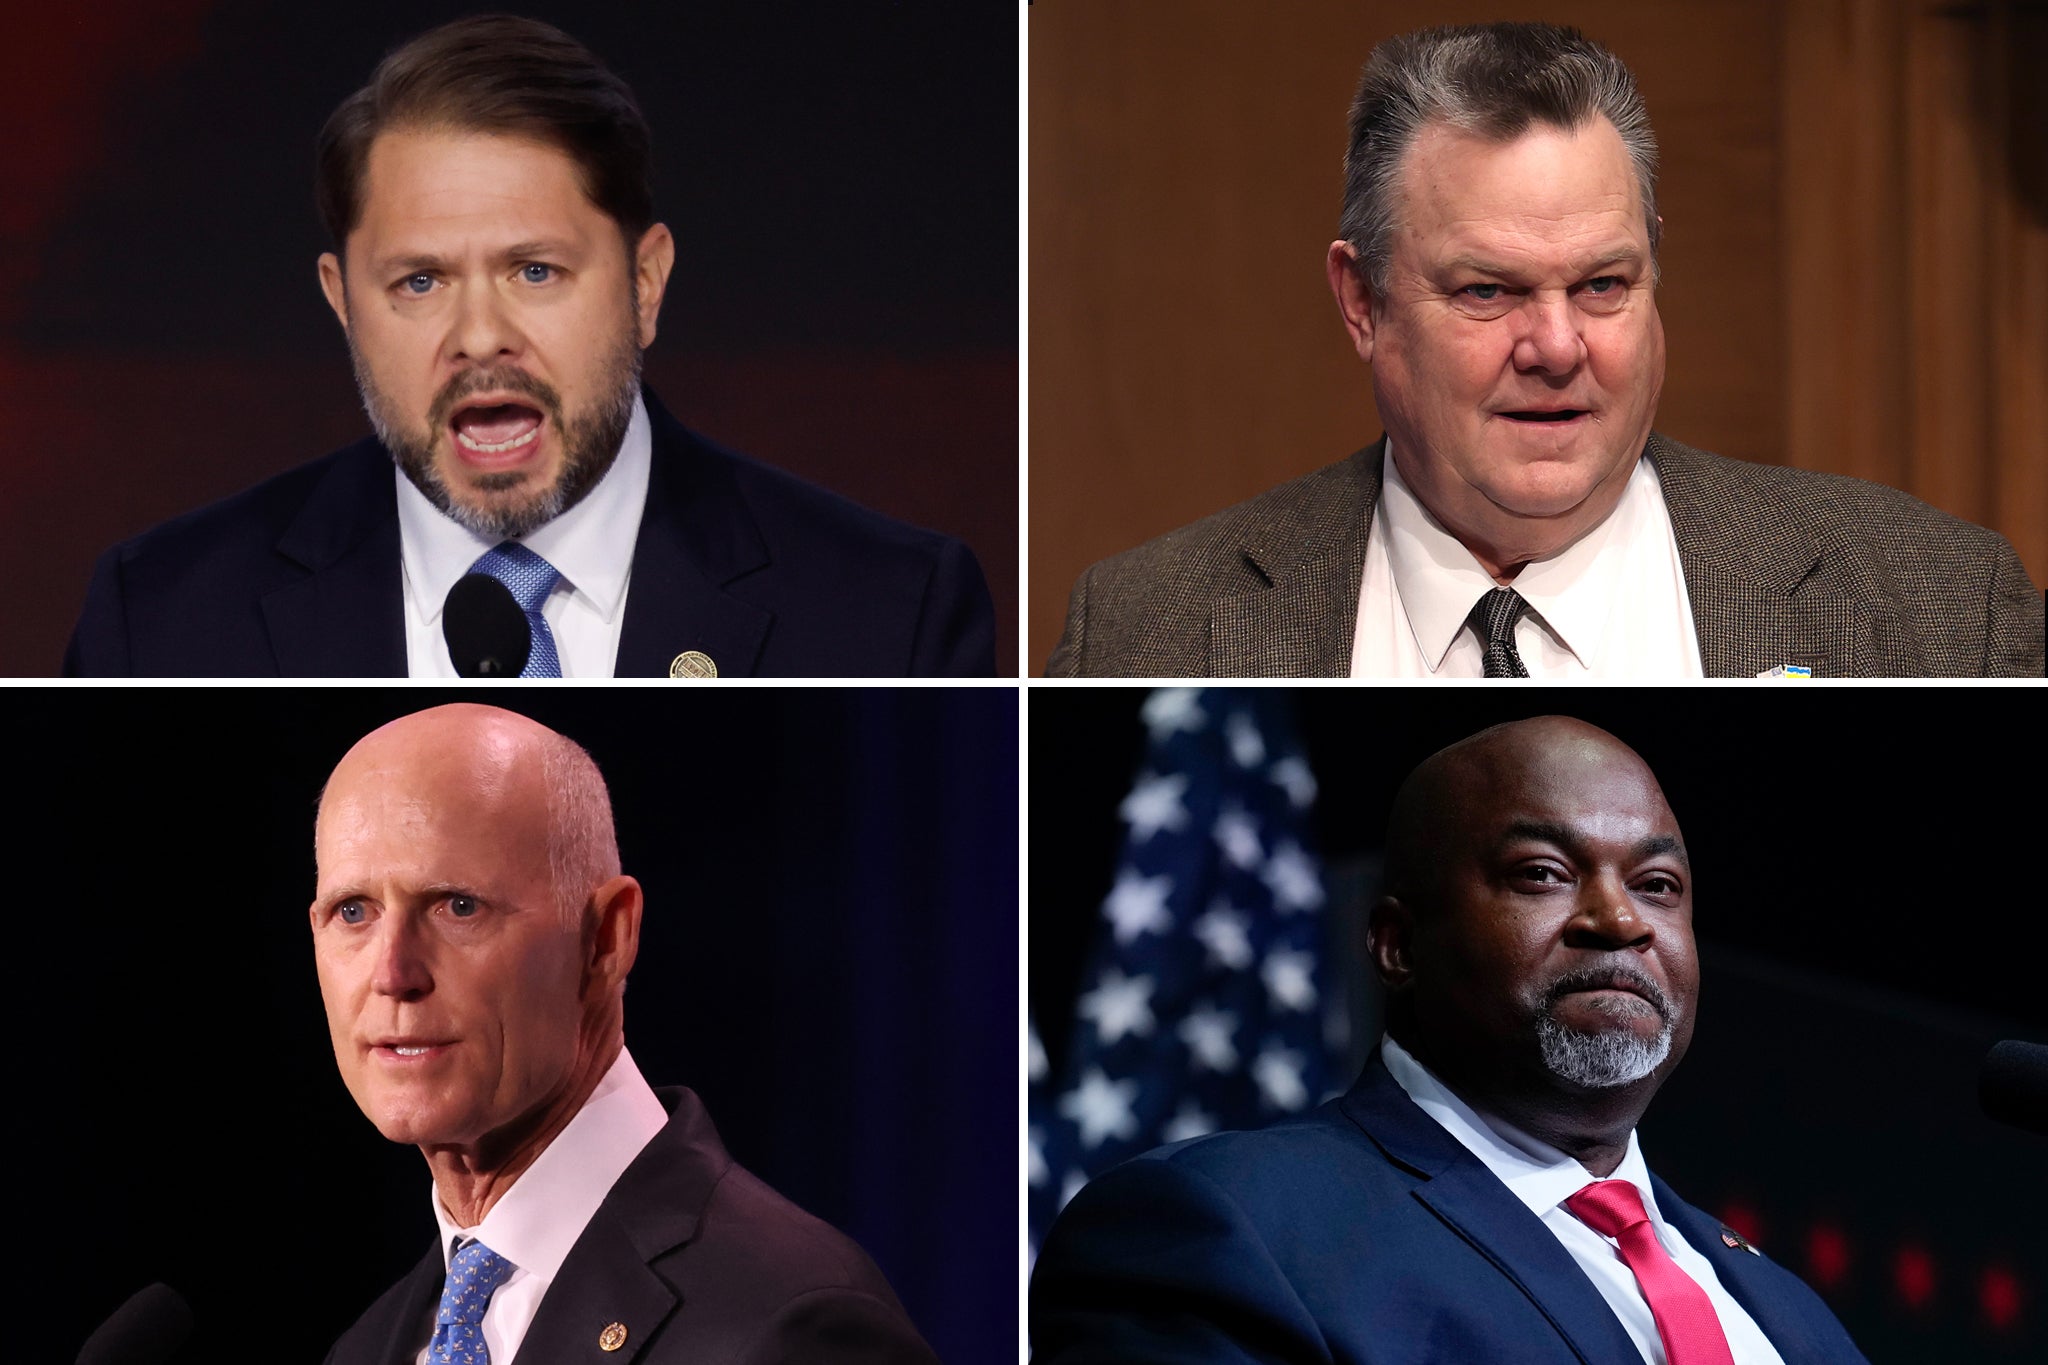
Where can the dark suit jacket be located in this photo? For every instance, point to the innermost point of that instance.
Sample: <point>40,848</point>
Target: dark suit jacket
<point>1362,1232</point>
<point>700,1262</point>
<point>770,576</point>
<point>1782,566</point>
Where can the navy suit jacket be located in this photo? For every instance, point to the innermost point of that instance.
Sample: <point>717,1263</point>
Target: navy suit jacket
<point>699,1261</point>
<point>768,575</point>
<point>1362,1232</point>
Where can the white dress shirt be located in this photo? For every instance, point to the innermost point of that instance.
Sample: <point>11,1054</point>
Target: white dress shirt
<point>1611,604</point>
<point>1543,1178</point>
<point>591,544</point>
<point>534,1223</point>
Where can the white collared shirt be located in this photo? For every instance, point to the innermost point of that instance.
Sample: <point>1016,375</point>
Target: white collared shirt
<point>1611,604</point>
<point>591,545</point>
<point>535,1223</point>
<point>1543,1178</point>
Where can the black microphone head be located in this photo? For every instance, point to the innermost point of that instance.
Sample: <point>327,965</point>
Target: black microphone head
<point>2013,1086</point>
<point>486,631</point>
<point>146,1330</point>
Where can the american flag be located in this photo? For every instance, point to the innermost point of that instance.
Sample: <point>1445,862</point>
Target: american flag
<point>1204,1003</point>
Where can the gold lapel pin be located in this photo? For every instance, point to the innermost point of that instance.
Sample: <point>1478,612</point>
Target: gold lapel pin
<point>692,663</point>
<point>612,1337</point>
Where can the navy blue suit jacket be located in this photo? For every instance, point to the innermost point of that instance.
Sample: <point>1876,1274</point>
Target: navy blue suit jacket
<point>770,576</point>
<point>1362,1232</point>
<point>700,1262</point>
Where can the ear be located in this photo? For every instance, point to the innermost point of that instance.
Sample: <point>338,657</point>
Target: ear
<point>611,935</point>
<point>1354,296</point>
<point>334,287</point>
<point>653,259</point>
<point>1390,943</point>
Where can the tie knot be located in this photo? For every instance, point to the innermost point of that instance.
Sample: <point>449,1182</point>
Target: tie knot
<point>1495,614</point>
<point>473,1276</point>
<point>525,574</point>
<point>1609,1207</point>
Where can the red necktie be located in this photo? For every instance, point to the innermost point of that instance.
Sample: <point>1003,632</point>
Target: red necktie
<point>1685,1316</point>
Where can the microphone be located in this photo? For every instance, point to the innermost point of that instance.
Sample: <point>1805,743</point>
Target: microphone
<point>146,1330</point>
<point>2013,1085</point>
<point>487,633</point>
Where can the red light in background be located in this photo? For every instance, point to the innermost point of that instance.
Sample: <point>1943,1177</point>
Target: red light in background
<point>1827,1256</point>
<point>1744,1219</point>
<point>1998,1294</point>
<point>1913,1276</point>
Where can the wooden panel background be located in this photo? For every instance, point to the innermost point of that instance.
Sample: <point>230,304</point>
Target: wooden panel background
<point>1855,278</point>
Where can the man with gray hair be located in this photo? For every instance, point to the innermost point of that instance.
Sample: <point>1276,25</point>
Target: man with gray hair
<point>472,933</point>
<point>1498,271</point>
<point>1479,1194</point>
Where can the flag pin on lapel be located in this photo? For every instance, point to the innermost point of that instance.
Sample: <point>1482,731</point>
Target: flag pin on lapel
<point>612,1337</point>
<point>692,663</point>
<point>1787,671</point>
<point>1732,1239</point>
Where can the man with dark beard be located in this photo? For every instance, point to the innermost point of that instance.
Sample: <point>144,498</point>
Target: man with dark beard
<point>498,272</point>
<point>1479,1194</point>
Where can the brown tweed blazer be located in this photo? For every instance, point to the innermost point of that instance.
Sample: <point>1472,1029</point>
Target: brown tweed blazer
<point>1783,566</point>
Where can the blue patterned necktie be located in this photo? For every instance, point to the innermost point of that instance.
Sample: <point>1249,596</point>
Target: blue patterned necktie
<point>530,579</point>
<point>473,1276</point>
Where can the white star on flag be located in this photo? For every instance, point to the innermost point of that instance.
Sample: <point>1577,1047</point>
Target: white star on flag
<point>1169,709</point>
<point>1247,745</point>
<point>1293,775</point>
<point>1036,1064</point>
<point>1208,1033</point>
<point>1237,834</point>
<point>1137,905</point>
<point>1278,1074</point>
<point>1154,805</point>
<point>1119,1005</point>
<point>1038,1172</point>
<point>1291,876</point>
<point>1187,1122</point>
<point>1289,980</point>
<point>1102,1108</point>
<point>1224,933</point>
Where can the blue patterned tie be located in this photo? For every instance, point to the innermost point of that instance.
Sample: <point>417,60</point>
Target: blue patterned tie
<point>530,579</point>
<point>473,1276</point>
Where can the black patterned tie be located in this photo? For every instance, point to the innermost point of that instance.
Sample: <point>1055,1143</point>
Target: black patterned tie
<point>1493,618</point>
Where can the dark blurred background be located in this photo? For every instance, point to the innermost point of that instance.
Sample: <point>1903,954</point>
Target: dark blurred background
<point>828,957</point>
<point>841,181</point>
<point>1869,912</point>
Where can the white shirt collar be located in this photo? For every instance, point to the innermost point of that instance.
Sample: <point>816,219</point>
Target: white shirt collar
<point>536,1222</point>
<point>591,544</point>
<point>1574,594</point>
<point>1538,1174</point>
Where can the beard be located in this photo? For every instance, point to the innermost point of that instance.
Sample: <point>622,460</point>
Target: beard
<point>1611,1056</point>
<point>507,505</point>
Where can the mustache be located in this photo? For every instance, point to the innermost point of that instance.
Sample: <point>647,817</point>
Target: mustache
<point>1612,976</point>
<point>468,382</point>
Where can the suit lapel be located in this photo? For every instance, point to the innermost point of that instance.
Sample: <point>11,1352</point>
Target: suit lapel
<point>605,1281</point>
<point>1741,1273</point>
<point>608,1277</point>
<point>397,1328</point>
<point>1460,1190</point>
<point>1301,620</point>
<point>346,618</point>
<point>1752,575</point>
<point>697,537</point>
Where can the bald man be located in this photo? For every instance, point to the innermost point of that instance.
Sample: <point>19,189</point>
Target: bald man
<point>1479,1194</point>
<point>473,933</point>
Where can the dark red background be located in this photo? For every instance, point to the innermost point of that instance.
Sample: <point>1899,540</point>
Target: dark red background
<point>841,180</point>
